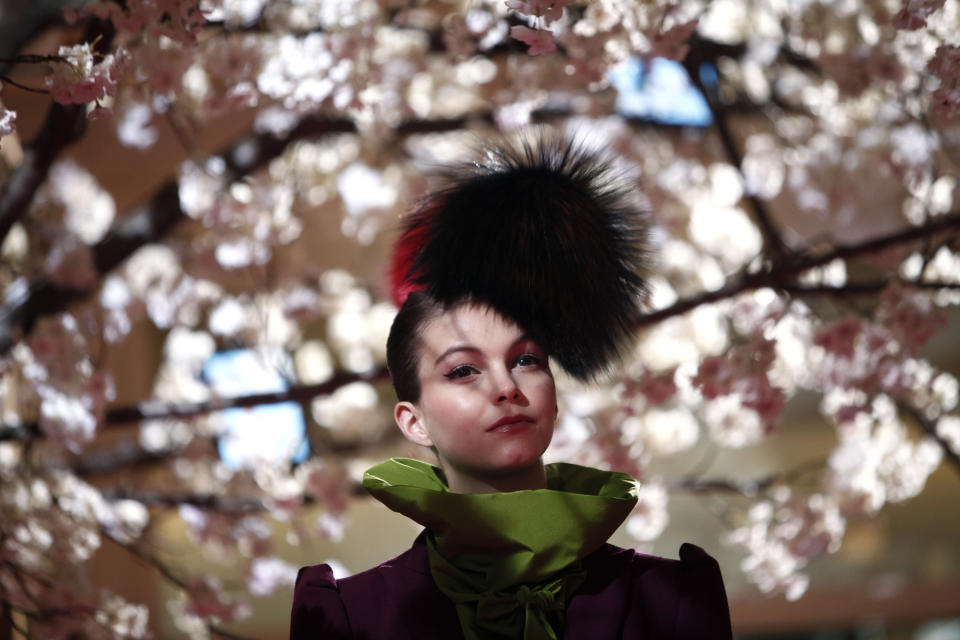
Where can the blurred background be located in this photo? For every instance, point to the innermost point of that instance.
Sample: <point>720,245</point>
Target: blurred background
<point>197,203</point>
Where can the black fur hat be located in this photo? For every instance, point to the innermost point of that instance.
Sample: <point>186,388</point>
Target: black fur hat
<point>544,231</point>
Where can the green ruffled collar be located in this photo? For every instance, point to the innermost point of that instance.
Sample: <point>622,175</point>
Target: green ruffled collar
<point>509,561</point>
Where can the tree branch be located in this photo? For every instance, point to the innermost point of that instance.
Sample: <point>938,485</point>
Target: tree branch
<point>122,416</point>
<point>7,624</point>
<point>240,504</point>
<point>746,488</point>
<point>864,288</point>
<point>774,246</point>
<point>229,504</point>
<point>203,500</point>
<point>64,124</point>
<point>14,83</point>
<point>149,222</point>
<point>781,276</point>
<point>223,633</point>
<point>169,576</point>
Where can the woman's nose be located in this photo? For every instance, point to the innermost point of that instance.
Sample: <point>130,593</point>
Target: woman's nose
<point>508,390</point>
<point>512,394</point>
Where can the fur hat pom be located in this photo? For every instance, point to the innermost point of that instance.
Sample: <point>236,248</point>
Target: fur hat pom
<point>547,233</point>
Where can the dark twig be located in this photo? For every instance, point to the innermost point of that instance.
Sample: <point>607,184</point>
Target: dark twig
<point>202,500</point>
<point>299,394</point>
<point>8,617</point>
<point>14,83</point>
<point>148,558</point>
<point>31,58</point>
<point>780,277</point>
<point>229,504</point>
<point>168,575</point>
<point>746,488</point>
<point>64,124</point>
<point>121,416</point>
<point>223,633</point>
<point>864,288</point>
<point>774,247</point>
<point>783,275</point>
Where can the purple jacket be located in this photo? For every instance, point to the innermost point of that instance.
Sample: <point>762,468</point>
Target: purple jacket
<point>626,595</point>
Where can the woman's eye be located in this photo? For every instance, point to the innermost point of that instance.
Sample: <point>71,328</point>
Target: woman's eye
<point>528,360</point>
<point>462,371</point>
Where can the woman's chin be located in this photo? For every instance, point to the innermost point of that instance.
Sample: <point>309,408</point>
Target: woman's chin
<point>517,463</point>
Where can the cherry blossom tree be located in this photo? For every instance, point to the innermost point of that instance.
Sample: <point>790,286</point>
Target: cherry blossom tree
<point>807,244</point>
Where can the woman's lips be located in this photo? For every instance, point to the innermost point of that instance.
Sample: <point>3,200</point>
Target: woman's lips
<point>508,423</point>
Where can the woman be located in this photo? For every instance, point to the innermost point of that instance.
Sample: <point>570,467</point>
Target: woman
<point>511,549</point>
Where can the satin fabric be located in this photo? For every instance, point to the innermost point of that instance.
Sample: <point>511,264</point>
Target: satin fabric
<point>508,561</point>
<point>625,596</point>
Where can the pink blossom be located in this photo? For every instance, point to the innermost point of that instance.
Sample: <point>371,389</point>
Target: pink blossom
<point>122,620</point>
<point>816,527</point>
<point>71,266</point>
<point>714,377</point>
<point>756,356</point>
<point>657,389</point>
<point>176,19</point>
<point>768,401</point>
<point>945,63</point>
<point>8,122</point>
<point>540,41</point>
<point>549,10</point>
<point>164,67</point>
<point>327,483</point>
<point>78,78</point>
<point>227,532</point>
<point>782,535</point>
<point>207,599</point>
<point>99,391</point>
<point>674,43</point>
<point>137,15</point>
<point>232,60</point>
<point>99,112</point>
<point>102,10</point>
<point>946,102</point>
<point>750,316</point>
<point>838,338</point>
<point>908,20</point>
<point>914,15</point>
<point>911,316</point>
<point>71,15</point>
<point>458,38</point>
<point>588,58</point>
<point>848,413</point>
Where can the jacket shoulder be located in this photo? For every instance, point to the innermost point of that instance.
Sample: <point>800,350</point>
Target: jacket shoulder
<point>682,599</point>
<point>395,600</point>
<point>634,596</point>
<point>318,610</point>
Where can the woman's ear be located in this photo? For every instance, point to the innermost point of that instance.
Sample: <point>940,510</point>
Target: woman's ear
<point>408,418</point>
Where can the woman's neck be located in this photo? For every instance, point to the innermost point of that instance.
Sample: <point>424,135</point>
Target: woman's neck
<point>532,477</point>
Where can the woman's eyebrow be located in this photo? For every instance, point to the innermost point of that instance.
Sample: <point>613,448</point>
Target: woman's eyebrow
<point>526,337</point>
<point>454,349</point>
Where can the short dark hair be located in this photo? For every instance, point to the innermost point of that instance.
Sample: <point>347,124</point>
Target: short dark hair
<point>403,343</point>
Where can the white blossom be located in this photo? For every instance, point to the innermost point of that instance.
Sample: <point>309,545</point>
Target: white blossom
<point>266,575</point>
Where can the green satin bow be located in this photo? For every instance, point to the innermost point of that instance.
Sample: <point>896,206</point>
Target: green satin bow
<point>508,561</point>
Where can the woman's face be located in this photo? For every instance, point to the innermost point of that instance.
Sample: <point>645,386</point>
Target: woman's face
<point>488,402</point>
